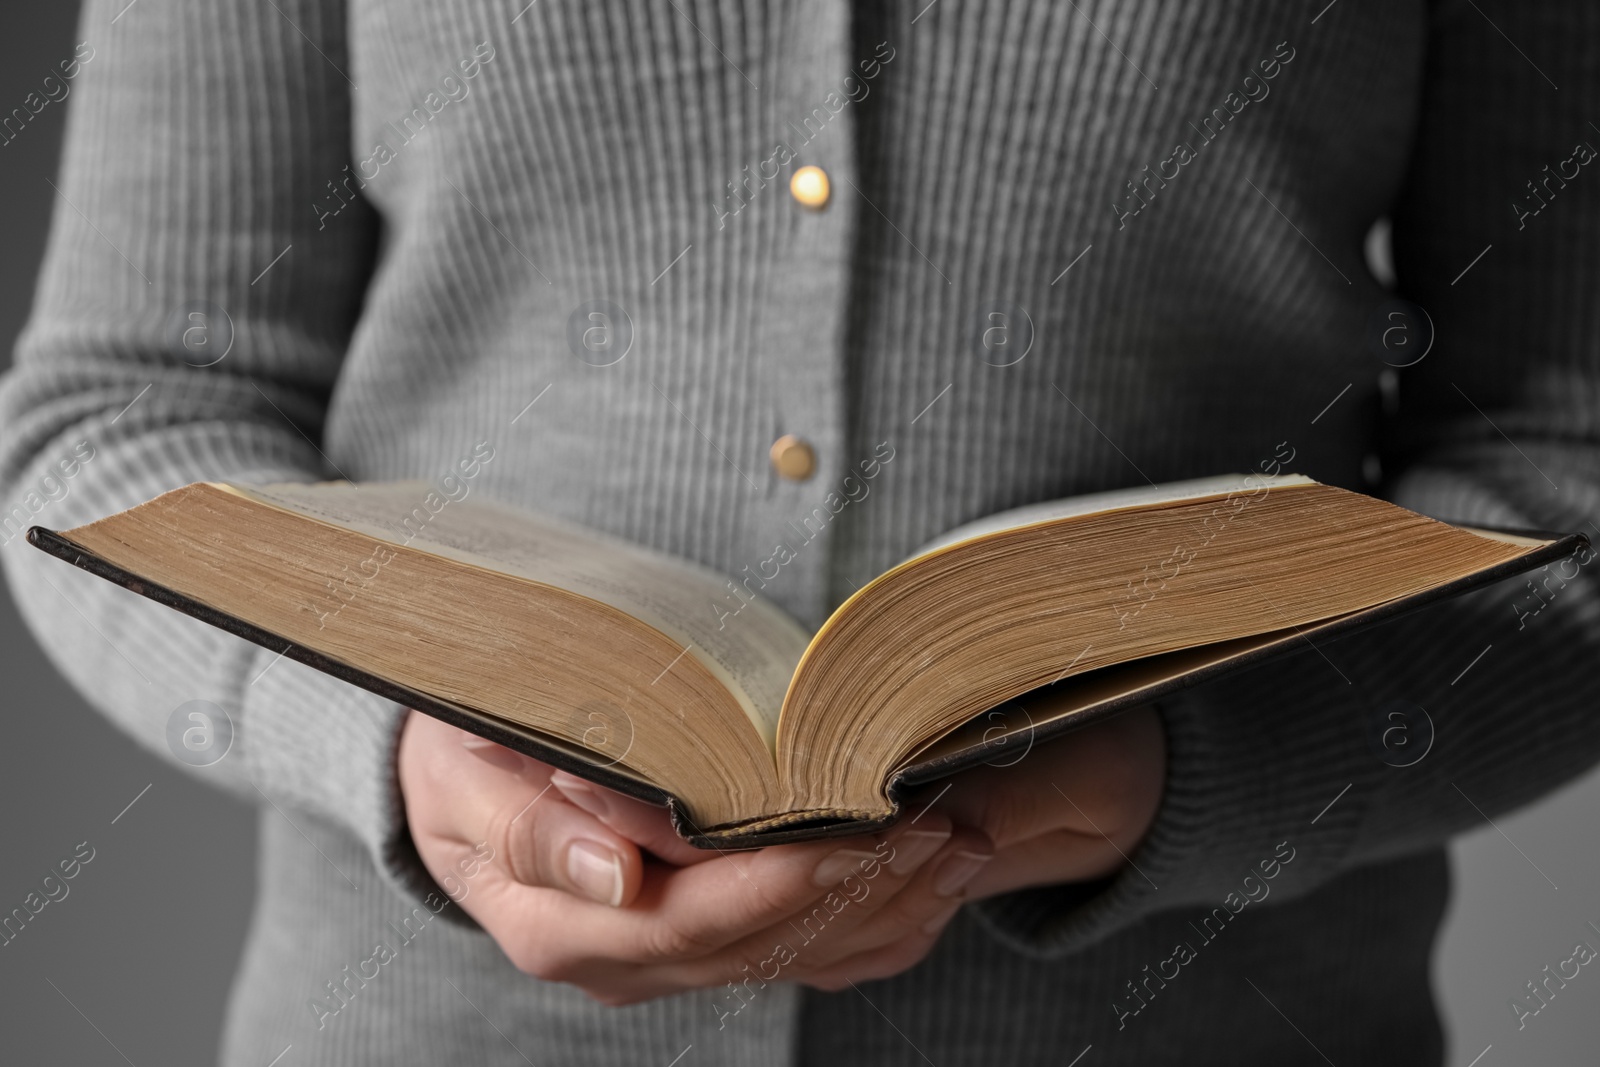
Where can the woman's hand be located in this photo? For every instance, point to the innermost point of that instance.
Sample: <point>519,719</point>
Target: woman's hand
<point>1073,810</point>
<point>593,888</point>
<point>561,883</point>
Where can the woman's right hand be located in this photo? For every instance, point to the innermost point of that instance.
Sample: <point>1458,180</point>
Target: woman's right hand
<point>582,885</point>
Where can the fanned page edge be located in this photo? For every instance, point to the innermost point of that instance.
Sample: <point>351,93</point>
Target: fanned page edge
<point>513,735</point>
<point>1133,498</point>
<point>1544,549</point>
<point>1547,547</point>
<point>269,496</point>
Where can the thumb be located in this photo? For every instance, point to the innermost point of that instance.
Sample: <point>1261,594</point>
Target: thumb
<point>550,844</point>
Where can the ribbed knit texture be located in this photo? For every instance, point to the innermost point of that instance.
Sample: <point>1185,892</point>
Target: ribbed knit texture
<point>1200,321</point>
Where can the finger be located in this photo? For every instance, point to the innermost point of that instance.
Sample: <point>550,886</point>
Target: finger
<point>476,791</point>
<point>1104,780</point>
<point>831,927</point>
<point>688,913</point>
<point>463,778</point>
<point>1114,777</point>
<point>552,845</point>
<point>955,880</point>
<point>645,825</point>
<point>842,940</point>
<point>649,950</point>
<point>920,904</point>
<point>1059,856</point>
<point>784,958</point>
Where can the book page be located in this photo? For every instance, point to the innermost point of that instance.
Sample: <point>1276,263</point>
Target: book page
<point>1139,496</point>
<point>754,656</point>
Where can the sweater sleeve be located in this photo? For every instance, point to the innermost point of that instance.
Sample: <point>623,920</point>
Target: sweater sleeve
<point>190,321</point>
<point>1389,741</point>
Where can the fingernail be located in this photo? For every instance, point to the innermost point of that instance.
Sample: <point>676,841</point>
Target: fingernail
<point>955,872</point>
<point>582,794</point>
<point>914,848</point>
<point>596,870</point>
<point>493,754</point>
<point>835,866</point>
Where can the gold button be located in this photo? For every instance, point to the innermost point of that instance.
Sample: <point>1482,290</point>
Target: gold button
<point>810,187</point>
<point>793,458</point>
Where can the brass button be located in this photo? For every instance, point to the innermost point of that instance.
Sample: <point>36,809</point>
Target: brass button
<point>810,187</point>
<point>793,458</point>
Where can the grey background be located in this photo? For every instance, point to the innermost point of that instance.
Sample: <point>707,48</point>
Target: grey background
<point>134,965</point>
<point>144,944</point>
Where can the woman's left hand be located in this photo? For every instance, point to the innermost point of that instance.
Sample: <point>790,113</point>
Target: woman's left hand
<point>1073,810</point>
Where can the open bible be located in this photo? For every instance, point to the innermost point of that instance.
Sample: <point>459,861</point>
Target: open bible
<point>658,677</point>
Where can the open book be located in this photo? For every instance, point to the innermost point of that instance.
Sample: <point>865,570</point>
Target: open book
<point>656,676</point>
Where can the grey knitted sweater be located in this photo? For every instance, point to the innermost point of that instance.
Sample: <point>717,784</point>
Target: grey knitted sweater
<point>1068,247</point>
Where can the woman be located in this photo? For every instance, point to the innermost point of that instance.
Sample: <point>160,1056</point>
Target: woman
<point>680,266</point>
